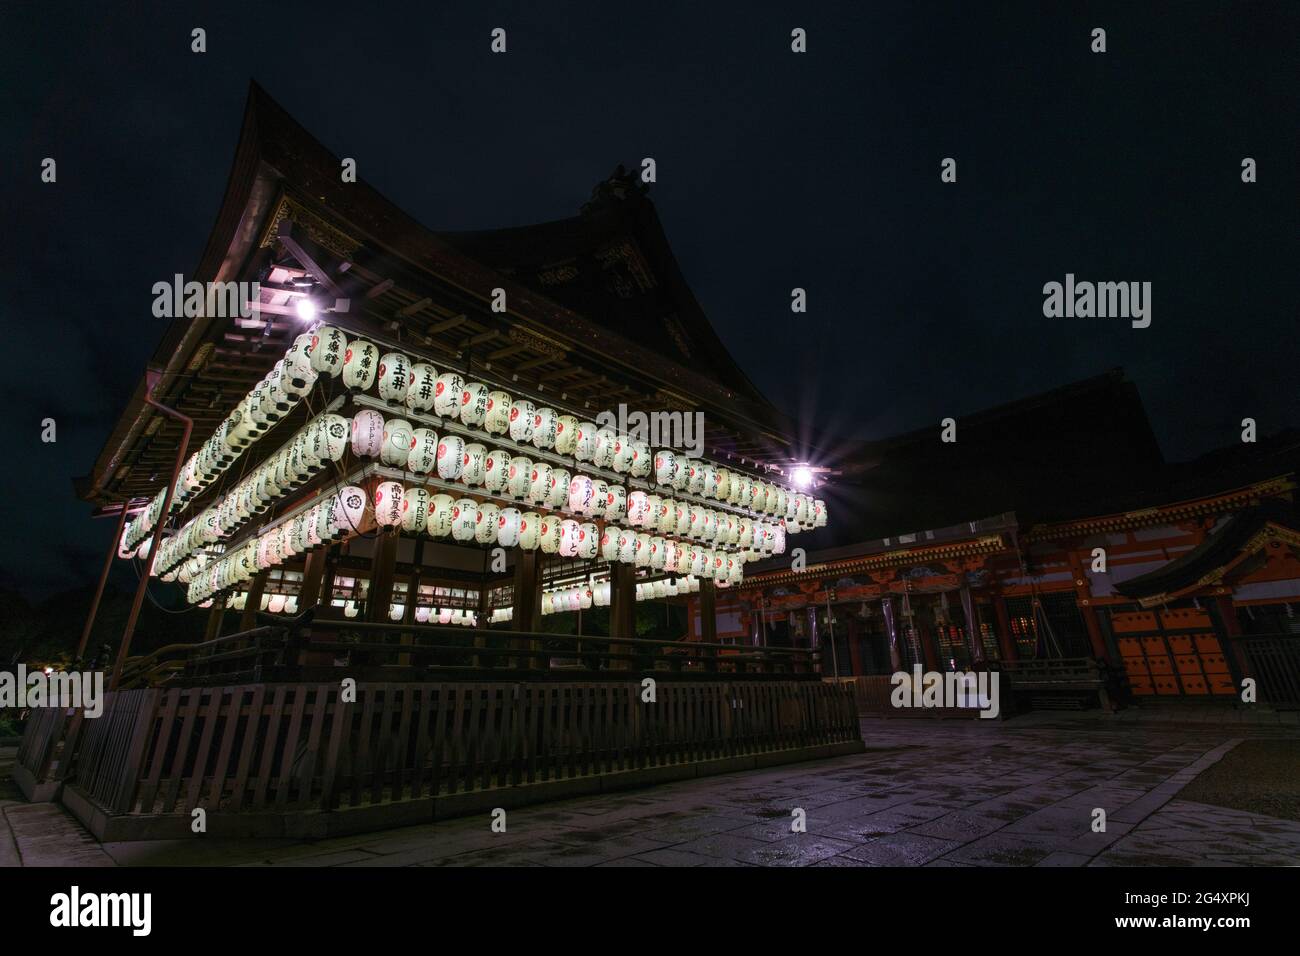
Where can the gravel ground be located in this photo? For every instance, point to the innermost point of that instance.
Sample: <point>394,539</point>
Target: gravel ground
<point>1259,776</point>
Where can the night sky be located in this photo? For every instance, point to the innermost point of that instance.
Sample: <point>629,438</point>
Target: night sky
<point>775,170</point>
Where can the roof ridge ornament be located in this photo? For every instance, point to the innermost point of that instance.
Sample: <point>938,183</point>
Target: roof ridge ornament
<point>618,188</point>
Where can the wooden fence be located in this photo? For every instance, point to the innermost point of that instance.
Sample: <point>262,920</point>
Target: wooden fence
<point>271,748</point>
<point>1274,661</point>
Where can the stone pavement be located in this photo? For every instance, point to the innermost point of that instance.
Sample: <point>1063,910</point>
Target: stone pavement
<point>933,793</point>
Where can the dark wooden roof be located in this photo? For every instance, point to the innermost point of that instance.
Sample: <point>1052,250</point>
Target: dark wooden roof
<point>624,328</point>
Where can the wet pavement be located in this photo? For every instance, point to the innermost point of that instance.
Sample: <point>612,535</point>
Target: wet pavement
<point>1027,792</point>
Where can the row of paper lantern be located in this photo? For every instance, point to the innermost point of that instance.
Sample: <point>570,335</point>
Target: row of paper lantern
<point>334,517</point>
<point>270,400</point>
<point>584,596</point>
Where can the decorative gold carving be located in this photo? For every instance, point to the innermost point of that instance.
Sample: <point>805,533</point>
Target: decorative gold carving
<point>538,343</point>
<point>320,231</point>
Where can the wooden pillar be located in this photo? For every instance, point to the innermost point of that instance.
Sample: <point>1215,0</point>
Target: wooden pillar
<point>248,620</point>
<point>527,603</point>
<point>622,608</point>
<point>380,593</point>
<point>1238,663</point>
<point>313,574</point>
<point>972,626</point>
<point>215,616</point>
<point>708,612</point>
<point>1005,638</point>
<point>891,629</point>
<point>926,639</point>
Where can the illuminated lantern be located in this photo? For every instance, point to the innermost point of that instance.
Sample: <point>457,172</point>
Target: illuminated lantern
<point>360,362</point>
<point>350,609</point>
<point>623,452</point>
<point>394,377</point>
<point>560,481</point>
<point>600,594</point>
<point>451,457</point>
<point>388,503</point>
<point>657,548</point>
<point>581,492</point>
<point>276,604</point>
<point>680,473</point>
<point>745,535</point>
<point>441,509</point>
<point>334,431</point>
<point>508,527</point>
<point>803,511</point>
<point>422,615</point>
<point>521,476</point>
<point>606,442</point>
<point>497,419</point>
<point>423,457</point>
<point>348,512</point>
<point>642,460</point>
<point>709,524</point>
<point>741,486</point>
<point>529,530</point>
<point>599,497</point>
<point>665,516</point>
<point>464,519</point>
<point>695,528</point>
<point>313,527</point>
<point>626,545</point>
<point>609,543</point>
<point>447,392</point>
<point>670,557</point>
<point>681,518</point>
<point>642,550</point>
<point>588,541</point>
<point>791,508</point>
<point>298,534</point>
<point>444,616</point>
<point>653,509</point>
<point>548,602</point>
<point>396,612</point>
<point>819,513</point>
<point>568,538</point>
<point>694,476</point>
<point>521,420</point>
<point>415,510</point>
<point>665,466</point>
<point>328,348</point>
<point>419,393</point>
<point>638,508</point>
<point>496,470</point>
<point>367,433</point>
<point>782,499</point>
<point>474,404</point>
<point>485,523</point>
<point>296,380</point>
<point>585,597</point>
<point>475,464</point>
<point>566,434</point>
<point>545,423</point>
<point>708,478</point>
<point>539,489</point>
<point>398,440</point>
<point>615,503</point>
<point>548,534</point>
<point>778,539</point>
<point>584,446</point>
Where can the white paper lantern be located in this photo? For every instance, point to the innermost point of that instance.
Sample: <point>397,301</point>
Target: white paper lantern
<point>568,538</point>
<point>615,503</point>
<point>423,456</point>
<point>584,446</point>
<point>642,460</point>
<point>451,457</point>
<point>566,434</point>
<point>422,615</point>
<point>588,541</point>
<point>508,527</point>
<point>398,442</point>
<point>447,394</point>
<point>638,508</point>
<point>360,363</point>
<point>559,495</point>
<point>497,419</point>
<point>485,527</point>
<point>581,492</point>
<point>275,604</point>
<point>419,393</point>
<point>626,545</point>
<point>545,423</point>
<point>415,510</point>
<point>496,470</point>
<point>474,462</point>
<point>388,503</point>
<point>539,488</point>
<point>623,453</point>
<point>665,515</point>
<point>328,350</point>
<point>665,466</point>
<point>521,420</point>
<point>473,404</point>
<point>394,377</point>
<point>606,441</point>
<point>657,552</point>
<point>548,534</point>
<point>609,543</point>
<point>521,476</point>
<point>464,519</point>
<point>529,530</point>
<point>642,553</point>
<point>441,509</point>
<point>367,433</point>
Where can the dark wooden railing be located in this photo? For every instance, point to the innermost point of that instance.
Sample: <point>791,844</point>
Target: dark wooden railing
<point>270,748</point>
<point>322,650</point>
<point>1273,660</point>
